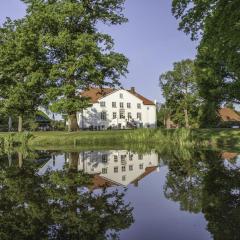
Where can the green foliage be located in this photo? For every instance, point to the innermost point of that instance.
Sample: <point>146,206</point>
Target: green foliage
<point>208,115</point>
<point>58,125</point>
<point>217,23</point>
<point>56,51</point>
<point>23,69</point>
<point>79,55</point>
<point>162,115</point>
<point>180,91</point>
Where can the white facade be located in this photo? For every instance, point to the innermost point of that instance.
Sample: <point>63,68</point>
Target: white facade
<point>119,109</point>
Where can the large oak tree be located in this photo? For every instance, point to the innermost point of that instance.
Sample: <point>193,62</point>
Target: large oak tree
<point>80,56</point>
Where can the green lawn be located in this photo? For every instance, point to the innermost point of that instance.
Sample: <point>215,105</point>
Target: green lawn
<point>210,137</point>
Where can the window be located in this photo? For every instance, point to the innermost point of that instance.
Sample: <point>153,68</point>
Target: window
<point>115,169</point>
<point>103,116</point>
<point>128,105</point>
<point>104,158</point>
<point>122,114</point>
<point>123,168</point>
<point>104,170</point>
<point>140,156</point>
<point>139,105</point>
<point>141,166</point>
<point>102,104</point>
<point>114,115</point>
<point>121,105</point>
<point>115,158</point>
<point>123,161</point>
<point>114,104</point>
<point>131,157</point>
<point>130,167</point>
<point>139,116</point>
<point>123,178</point>
<point>123,157</point>
<point>121,95</point>
<point>129,115</point>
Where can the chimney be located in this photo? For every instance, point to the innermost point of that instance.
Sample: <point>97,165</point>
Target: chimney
<point>132,89</point>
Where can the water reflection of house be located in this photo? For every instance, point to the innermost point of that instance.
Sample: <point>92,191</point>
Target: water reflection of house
<point>118,167</point>
<point>231,160</point>
<point>109,168</point>
<point>229,118</point>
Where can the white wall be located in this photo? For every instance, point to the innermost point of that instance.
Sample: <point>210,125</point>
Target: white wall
<point>92,115</point>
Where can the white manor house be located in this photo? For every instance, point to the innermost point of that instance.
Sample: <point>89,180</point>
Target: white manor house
<point>117,108</point>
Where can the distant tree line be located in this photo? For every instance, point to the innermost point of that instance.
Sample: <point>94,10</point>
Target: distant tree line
<point>195,90</point>
<point>56,51</point>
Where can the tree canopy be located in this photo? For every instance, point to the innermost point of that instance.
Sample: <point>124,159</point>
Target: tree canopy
<point>80,56</point>
<point>179,87</point>
<point>23,70</point>
<point>217,24</point>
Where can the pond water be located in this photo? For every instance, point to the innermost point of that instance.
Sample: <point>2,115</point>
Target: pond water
<point>120,194</point>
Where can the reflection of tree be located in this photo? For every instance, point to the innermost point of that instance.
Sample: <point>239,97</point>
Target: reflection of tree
<point>58,206</point>
<point>221,201</point>
<point>202,183</point>
<point>184,180</point>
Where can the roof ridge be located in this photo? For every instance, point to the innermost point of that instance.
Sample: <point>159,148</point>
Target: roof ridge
<point>95,94</point>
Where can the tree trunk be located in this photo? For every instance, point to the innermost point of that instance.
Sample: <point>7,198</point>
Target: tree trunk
<point>72,123</point>
<point>186,118</point>
<point>9,123</point>
<point>20,124</point>
<point>73,160</point>
<point>168,122</point>
<point>20,159</point>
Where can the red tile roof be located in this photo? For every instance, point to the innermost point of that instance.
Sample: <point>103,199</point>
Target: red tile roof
<point>96,93</point>
<point>148,170</point>
<point>145,100</point>
<point>228,114</point>
<point>229,155</point>
<point>100,182</point>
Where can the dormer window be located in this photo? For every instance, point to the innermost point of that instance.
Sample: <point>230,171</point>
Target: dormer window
<point>121,95</point>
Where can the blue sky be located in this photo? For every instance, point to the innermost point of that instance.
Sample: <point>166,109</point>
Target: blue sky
<point>150,40</point>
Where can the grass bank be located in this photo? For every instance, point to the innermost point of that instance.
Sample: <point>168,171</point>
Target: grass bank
<point>180,137</point>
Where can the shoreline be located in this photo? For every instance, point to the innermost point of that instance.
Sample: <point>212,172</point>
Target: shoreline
<point>182,137</point>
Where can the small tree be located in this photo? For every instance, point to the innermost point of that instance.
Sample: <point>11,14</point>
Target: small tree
<point>179,88</point>
<point>22,70</point>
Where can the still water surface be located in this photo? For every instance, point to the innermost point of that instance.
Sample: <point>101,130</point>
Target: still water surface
<point>120,194</point>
